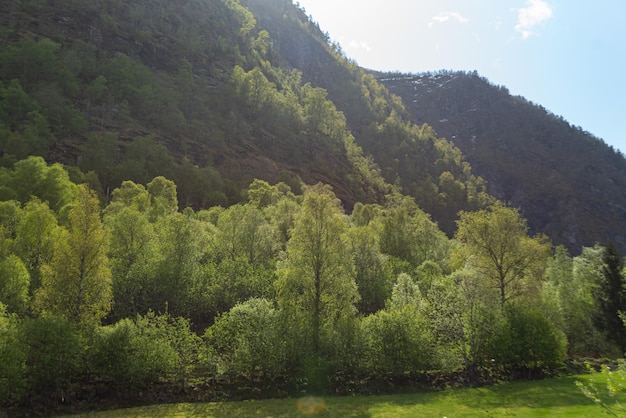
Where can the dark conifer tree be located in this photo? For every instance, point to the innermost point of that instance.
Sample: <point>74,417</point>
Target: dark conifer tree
<point>610,298</point>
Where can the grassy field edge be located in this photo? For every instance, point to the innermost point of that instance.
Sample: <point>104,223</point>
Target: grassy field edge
<point>558,397</point>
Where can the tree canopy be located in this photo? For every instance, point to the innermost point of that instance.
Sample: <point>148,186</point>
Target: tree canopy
<point>285,287</point>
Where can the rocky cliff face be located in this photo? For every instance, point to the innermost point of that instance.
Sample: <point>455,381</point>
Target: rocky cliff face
<point>569,184</point>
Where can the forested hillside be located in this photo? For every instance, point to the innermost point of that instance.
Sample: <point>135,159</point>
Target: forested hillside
<point>281,294</point>
<point>208,94</point>
<point>181,89</point>
<point>205,199</point>
<point>569,184</point>
<point>429,168</point>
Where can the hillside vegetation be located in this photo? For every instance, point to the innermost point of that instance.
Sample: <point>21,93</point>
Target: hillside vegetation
<point>282,294</point>
<point>569,184</point>
<point>206,93</point>
<point>205,199</point>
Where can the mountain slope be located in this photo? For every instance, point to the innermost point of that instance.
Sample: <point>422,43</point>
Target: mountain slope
<point>212,93</point>
<point>569,184</point>
<point>134,90</point>
<point>429,168</point>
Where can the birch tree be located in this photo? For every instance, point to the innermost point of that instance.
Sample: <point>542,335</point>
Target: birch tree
<point>76,285</point>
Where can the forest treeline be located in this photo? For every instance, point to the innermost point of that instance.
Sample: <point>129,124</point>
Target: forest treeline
<point>529,156</point>
<point>215,93</point>
<point>206,191</point>
<point>200,92</point>
<point>118,297</point>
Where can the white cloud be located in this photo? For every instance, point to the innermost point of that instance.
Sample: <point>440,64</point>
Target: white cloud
<point>360,45</point>
<point>448,17</point>
<point>535,13</point>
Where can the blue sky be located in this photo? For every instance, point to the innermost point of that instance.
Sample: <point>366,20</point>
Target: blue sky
<point>567,55</point>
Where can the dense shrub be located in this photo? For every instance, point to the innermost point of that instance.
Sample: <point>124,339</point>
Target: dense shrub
<point>14,282</point>
<point>247,339</point>
<point>528,340</point>
<point>54,357</point>
<point>399,342</point>
<point>13,358</point>
<point>133,353</point>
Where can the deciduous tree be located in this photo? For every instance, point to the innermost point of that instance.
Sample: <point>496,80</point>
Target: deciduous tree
<point>410,235</point>
<point>132,254</point>
<point>498,246</point>
<point>248,339</point>
<point>372,275</point>
<point>316,283</point>
<point>37,232</point>
<point>76,285</point>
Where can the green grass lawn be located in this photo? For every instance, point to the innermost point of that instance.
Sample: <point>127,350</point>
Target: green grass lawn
<point>548,398</point>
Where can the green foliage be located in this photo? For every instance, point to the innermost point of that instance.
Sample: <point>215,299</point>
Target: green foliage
<point>183,114</point>
<point>405,293</point>
<point>399,342</point>
<point>163,200</point>
<point>14,284</point>
<point>610,298</point>
<point>199,187</point>
<point>39,68</point>
<point>27,131</point>
<point>243,231</point>
<point>180,249</point>
<point>144,160</point>
<point>242,261</point>
<point>261,194</point>
<point>248,339</point>
<point>569,294</point>
<point>277,281</point>
<point>77,284</point>
<point>615,384</point>
<point>528,155</point>
<point>315,283</point>
<point>465,317</point>
<point>282,217</point>
<point>34,62</point>
<point>33,177</point>
<point>138,352</point>
<point>13,354</point>
<point>528,340</point>
<point>119,354</point>
<point>187,346</point>
<point>54,356</point>
<point>36,235</point>
<point>99,154</point>
<point>131,253</point>
<point>131,195</point>
<point>228,90</point>
<point>15,105</point>
<point>409,234</point>
<point>10,217</point>
<point>256,90</point>
<point>372,274</point>
<point>497,245</point>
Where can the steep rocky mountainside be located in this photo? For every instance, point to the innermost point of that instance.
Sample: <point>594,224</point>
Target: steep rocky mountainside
<point>155,80</point>
<point>569,184</point>
<point>213,93</point>
<point>429,168</point>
